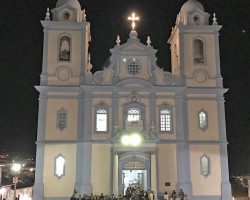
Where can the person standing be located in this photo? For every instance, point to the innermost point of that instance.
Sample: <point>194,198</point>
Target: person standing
<point>166,196</point>
<point>174,195</point>
<point>181,194</point>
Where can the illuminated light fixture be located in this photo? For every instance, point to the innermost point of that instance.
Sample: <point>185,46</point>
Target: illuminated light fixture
<point>133,18</point>
<point>134,139</point>
<point>16,167</point>
<point>125,140</point>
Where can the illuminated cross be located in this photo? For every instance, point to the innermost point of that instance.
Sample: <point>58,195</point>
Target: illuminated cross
<point>133,18</point>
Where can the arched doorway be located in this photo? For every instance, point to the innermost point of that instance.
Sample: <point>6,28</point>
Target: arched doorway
<point>134,171</point>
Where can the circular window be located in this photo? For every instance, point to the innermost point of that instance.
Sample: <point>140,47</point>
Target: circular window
<point>66,16</point>
<point>133,67</point>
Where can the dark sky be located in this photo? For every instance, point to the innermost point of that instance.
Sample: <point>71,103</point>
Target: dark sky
<point>21,41</point>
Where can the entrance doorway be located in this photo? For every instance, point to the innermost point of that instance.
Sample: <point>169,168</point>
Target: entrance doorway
<point>136,180</point>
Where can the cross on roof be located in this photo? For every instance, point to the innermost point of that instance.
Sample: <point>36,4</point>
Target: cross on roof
<point>133,18</point>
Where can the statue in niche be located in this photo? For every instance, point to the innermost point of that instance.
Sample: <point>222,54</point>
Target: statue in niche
<point>64,50</point>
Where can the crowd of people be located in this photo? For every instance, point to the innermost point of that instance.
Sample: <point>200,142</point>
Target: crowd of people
<point>174,196</point>
<point>131,194</point>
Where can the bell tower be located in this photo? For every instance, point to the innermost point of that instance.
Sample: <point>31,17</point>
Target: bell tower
<point>64,58</point>
<point>61,135</point>
<point>196,63</point>
<point>195,47</point>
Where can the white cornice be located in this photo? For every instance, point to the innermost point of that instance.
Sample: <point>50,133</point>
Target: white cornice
<point>62,25</point>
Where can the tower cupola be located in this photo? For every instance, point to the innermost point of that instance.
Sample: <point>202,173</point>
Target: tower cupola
<point>68,10</point>
<point>192,13</point>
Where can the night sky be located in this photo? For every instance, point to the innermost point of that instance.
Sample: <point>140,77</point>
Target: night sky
<point>21,41</point>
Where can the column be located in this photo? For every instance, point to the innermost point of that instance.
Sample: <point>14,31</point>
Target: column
<point>152,111</point>
<point>225,184</point>
<point>182,147</point>
<point>38,188</point>
<point>115,174</point>
<point>84,148</point>
<point>115,113</point>
<point>153,174</point>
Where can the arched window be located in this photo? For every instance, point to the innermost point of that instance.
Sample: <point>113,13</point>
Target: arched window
<point>62,119</point>
<point>134,114</point>
<point>203,120</point>
<point>199,54</point>
<point>101,120</point>
<point>64,48</point>
<point>166,118</point>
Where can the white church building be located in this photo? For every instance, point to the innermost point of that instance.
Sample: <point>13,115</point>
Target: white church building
<point>131,124</point>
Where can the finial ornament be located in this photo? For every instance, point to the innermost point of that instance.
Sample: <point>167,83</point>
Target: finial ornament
<point>214,19</point>
<point>89,58</point>
<point>118,41</point>
<point>47,18</point>
<point>89,66</point>
<point>148,41</point>
<point>83,15</point>
<point>133,18</point>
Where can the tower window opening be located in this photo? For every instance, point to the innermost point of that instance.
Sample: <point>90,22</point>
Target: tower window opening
<point>66,15</point>
<point>64,48</point>
<point>199,57</point>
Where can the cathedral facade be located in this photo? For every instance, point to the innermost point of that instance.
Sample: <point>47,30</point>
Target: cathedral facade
<point>131,124</point>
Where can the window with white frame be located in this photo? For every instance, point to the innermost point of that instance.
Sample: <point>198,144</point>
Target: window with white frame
<point>205,165</point>
<point>62,119</point>
<point>166,118</point>
<point>101,120</point>
<point>134,114</point>
<point>59,166</point>
<point>203,120</point>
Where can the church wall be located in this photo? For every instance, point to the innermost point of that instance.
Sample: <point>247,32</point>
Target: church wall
<point>54,133</point>
<point>100,168</point>
<point>194,106</point>
<point>64,185</point>
<point>197,83</point>
<point>167,167</point>
<point>75,51</point>
<point>210,185</point>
